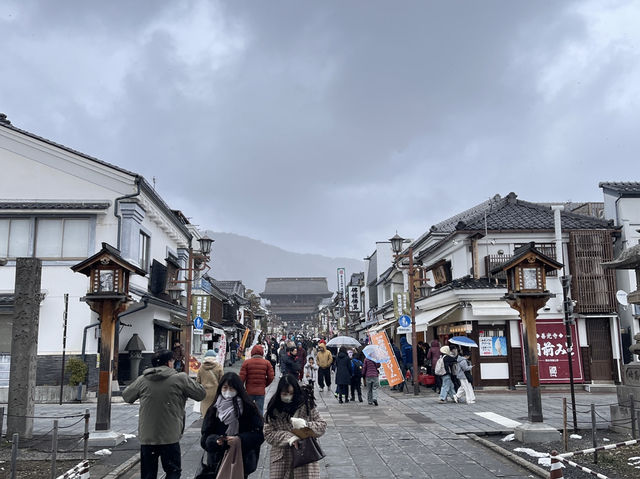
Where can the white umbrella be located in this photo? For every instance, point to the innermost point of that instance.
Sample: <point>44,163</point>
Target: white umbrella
<point>344,341</point>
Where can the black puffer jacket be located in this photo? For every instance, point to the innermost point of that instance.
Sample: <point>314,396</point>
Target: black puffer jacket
<point>343,368</point>
<point>250,434</point>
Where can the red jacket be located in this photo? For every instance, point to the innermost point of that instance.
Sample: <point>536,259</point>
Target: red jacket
<point>257,372</point>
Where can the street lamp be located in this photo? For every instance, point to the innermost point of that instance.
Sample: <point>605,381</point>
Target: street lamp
<point>527,292</point>
<point>197,262</point>
<point>397,243</point>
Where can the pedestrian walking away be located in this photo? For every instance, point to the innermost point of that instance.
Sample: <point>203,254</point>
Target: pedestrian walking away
<point>232,429</point>
<point>290,409</point>
<point>162,392</point>
<point>178,357</point>
<point>464,374</point>
<point>446,368</point>
<point>343,375</point>
<point>233,351</point>
<point>257,373</point>
<point>432,358</point>
<point>370,377</point>
<point>356,378</point>
<point>209,376</point>
<point>325,360</point>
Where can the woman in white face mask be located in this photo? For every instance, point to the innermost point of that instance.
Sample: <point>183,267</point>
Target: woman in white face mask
<point>232,429</point>
<point>291,408</point>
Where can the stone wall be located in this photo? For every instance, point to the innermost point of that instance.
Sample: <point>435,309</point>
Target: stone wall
<point>49,368</point>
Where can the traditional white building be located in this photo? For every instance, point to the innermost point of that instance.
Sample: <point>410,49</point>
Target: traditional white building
<point>59,205</point>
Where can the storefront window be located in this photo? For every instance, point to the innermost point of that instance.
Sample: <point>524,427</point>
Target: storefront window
<point>492,343</point>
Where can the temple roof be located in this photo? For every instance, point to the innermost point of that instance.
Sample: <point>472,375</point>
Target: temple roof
<point>296,286</point>
<point>621,187</point>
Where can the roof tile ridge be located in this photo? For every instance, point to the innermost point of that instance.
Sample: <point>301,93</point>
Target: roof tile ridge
<point>473,212</point>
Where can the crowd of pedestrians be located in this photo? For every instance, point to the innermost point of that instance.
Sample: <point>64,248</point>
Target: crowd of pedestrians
<point>235,423</point>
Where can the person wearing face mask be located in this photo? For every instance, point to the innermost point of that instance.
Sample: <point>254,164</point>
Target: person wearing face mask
<point>163,392</point>
<point>232,428</point>
<point>291,408</point>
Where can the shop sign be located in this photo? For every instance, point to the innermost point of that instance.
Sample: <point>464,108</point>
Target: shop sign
<point>401,304</point>
<point>553,352</point>
<point>493,346</point>
<point>355,305</point>
<point>201,304</point>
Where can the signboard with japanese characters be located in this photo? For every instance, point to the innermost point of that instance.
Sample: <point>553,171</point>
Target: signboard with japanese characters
<point>355,305</point>
<point>201,304</point>
<point>342,283</point>
<point>401,304</point>
<point>553,352</point>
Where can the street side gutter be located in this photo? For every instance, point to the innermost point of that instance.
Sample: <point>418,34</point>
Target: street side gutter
<point>538,471</point>
<point>124,467</point>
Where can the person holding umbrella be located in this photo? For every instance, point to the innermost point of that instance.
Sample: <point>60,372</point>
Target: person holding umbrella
<point>465,389</point>
<point>343,374</point>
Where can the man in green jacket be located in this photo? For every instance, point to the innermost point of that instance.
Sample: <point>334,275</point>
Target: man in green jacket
<point>163,393</point>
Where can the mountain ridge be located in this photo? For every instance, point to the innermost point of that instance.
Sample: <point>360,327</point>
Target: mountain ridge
<point>238,257</point>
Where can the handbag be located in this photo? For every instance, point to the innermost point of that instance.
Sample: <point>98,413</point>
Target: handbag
<point>308,451</point>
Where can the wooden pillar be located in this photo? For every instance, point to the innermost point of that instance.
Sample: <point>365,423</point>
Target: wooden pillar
<point>107,339</point>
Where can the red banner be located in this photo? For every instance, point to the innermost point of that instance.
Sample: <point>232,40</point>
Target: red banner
<point>553,353</point>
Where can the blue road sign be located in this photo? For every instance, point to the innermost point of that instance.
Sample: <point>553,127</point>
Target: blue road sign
<point>198,322</point>
<point>404,321</point>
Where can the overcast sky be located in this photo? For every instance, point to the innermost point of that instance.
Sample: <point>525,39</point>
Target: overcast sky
<point>323,126</point>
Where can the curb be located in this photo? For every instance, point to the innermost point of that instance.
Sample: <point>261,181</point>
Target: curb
<point>124,467</point>
<point>538,471</point>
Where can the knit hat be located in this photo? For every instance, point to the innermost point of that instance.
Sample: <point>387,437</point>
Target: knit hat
<point>257,350</point>
<point>210,353</point>
<point>322,341</point>
<point>445,350</point>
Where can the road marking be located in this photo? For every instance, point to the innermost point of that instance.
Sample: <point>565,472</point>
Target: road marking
<point>503,421</point>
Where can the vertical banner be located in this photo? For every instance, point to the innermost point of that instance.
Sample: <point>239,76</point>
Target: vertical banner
<point>245,335</point>
<point>355,303</point>
<point>342,284</point>
<point>391,369</point>
<point>401,304</point>
<point>201,306</point>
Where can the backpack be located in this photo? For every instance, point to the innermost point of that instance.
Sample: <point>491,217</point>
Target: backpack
<point>356,366</point>
<point>440,370</point>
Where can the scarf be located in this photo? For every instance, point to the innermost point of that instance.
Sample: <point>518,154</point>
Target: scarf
<point>227,414</point>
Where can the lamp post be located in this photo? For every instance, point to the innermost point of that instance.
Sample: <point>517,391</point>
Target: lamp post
<point>175,291</point>
<point>527,292</point>
<point>396,245</point>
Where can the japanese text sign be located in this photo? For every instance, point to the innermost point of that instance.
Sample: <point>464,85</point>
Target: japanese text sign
<point>200,306</point>
<point>355,305</point>
<point>400,304</point>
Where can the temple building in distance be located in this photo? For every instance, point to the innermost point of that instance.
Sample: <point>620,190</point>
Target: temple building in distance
<point>295,300</point>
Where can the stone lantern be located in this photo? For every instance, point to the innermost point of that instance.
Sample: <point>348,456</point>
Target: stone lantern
<point>108,296</point>
<point>527,292</point>
<point>135,346</point>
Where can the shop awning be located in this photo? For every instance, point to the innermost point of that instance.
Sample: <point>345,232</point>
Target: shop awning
<point>493,308</point>
<point>166,325</point>
<point>213,328</point>
<point>382,325</point>
<point>426,319</point>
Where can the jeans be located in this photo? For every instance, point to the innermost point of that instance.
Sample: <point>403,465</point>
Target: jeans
<point>232,357</point>
<point>356,387</point>
<point>169,455</point>
<point>372,389</point>
<point>324,375</point>
<point>259,400</point>
<point>447,388</point>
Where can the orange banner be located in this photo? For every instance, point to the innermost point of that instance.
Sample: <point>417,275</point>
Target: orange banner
<point>243,342</point>
<point>391,369</point>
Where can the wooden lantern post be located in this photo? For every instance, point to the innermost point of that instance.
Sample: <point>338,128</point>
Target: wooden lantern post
<point>526,293</point>
<point>108,296</point>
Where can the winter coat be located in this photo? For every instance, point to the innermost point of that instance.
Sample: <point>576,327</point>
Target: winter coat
<point>301,358</point>
<point>163,393</point>
<point>463,365</point>
<point>449,362</point>
<point>343,369</point>
<point>250,434</point>
<point>277,432</point>
<point>398,355</point>
<point>421,357</point>
<point>356,369</point>
<point>370,369</point>
<point>256,373</point>
<point>209,376</point>
<point>324,357</point>
<point>434,353</point>
<point>310,372</point>
<point>282,357</point>
<point>291,366</point>
<point>407,352</point>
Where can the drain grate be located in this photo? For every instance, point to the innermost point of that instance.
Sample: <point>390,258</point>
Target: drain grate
<point>420,418</point>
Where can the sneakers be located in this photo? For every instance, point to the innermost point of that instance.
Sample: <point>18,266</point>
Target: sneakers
<point>375,402</point>
<point>471,402</point>
<point>360,399</point>
<point>442,401</point>
<point>455,398</point>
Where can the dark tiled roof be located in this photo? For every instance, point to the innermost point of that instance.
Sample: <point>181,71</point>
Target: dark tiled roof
<point>449,225</point>
<point>285,286</point>
<point>468,282</point>
<point>621,187</point>
<point>54,205</point>
<point>511,213</point>
<point>230,287</point>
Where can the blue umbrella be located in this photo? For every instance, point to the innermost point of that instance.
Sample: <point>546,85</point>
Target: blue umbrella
<point>463,341</point>
<point>376,354</point>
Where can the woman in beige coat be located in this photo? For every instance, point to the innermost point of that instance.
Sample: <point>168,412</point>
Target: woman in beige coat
<point>209,376</point>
